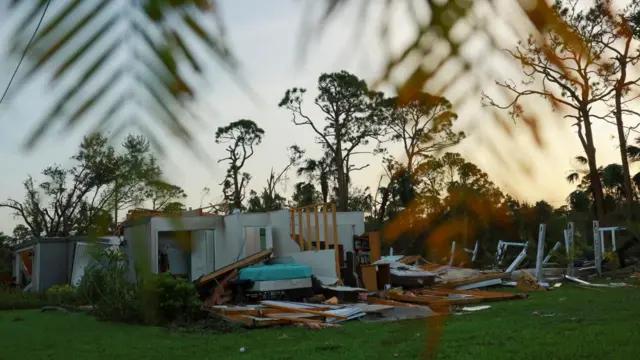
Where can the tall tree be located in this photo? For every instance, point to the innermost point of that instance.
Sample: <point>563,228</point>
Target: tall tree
<point>305,194</point>
<point>165,197</point>
<point>135,173</point>
<point>21,233</point>
<point>422,124</point>
<point>618,36</point>
<point>442,176</point>
<point>269,199</point>
<point>79,199</point>
<point>351,120</point>
<point>242,136</point>
<point>319,171</point>
<point>565,73</point>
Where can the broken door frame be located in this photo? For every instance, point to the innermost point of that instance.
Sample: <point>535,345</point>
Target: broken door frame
<point>20,267</point>
<point>612,230</point>
<point>502,248</point>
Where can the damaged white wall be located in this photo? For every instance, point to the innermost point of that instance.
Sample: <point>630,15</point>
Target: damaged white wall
<point>234,236</point>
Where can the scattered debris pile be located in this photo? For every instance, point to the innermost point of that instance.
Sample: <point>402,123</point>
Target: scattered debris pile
<point>270,313</point>
<point>260,291</point>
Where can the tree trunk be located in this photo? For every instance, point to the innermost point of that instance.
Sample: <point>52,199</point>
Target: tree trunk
<point>626,173</point>
<point>324,187</point>
<point>596,184</point>
<point>237,201</point>
<point>383,204</point>
<point>343,190</point>
<point>115,202</point>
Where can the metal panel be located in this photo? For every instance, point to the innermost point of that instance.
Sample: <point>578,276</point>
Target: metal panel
<point>540,255</point>
<point>198,254</point>
<point>211,250</point>
<point>81,259</point>
<point>597,250</point>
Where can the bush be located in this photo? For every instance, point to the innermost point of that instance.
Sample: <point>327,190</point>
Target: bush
<point>17,300</point>
<point>153,299</point>
<point>13,299</point>
<point>176,298</point>
<point>108,288</point>
<point>62,295</point>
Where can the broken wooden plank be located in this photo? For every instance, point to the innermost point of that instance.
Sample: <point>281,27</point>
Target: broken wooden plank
<point>243,311</point>
<point>282,307</point>
<point>410,260</point>
<point>471,280</point>
<point>434,300</point>
<point>379,301</point>
<point>485,295</point>
<point>252,322</point>
<point>294,319</point>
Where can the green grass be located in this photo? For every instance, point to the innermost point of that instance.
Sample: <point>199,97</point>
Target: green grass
<point>598,324</point>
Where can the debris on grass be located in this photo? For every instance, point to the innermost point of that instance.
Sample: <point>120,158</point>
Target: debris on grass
<point>476,308</point>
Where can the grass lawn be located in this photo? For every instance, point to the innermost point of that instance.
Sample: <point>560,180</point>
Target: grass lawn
<point>587,323</point>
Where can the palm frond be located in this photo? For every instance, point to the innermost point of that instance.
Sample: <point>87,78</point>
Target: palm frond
<point>122,56</point>
<point>573,177</point>
<point>633,152</point>
<point>582,160</point>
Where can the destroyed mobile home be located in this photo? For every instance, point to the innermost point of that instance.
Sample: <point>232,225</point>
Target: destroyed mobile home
<point>309,266</point>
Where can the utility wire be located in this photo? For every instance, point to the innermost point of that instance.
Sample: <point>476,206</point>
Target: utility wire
<point>24,53</point>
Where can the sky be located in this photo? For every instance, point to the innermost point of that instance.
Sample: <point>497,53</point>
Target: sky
<point>265,36</point>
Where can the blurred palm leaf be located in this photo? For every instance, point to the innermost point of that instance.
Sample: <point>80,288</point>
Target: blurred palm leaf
<point>122,59</point>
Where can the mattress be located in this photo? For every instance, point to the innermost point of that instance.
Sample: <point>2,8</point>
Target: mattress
<point>278,285</point>
<point>275,272</point>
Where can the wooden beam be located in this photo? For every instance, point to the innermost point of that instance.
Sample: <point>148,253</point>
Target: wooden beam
<point>300,229</point>
<point>315,312</point>
<point>326,226</point>
<point>373,300</point>
<point>292,220</point>
<point>375,246</point>
<point>335,241</point>
<point>435,300</point>
<point>307,214</point>
<point>466,281</point>
<point>316,219</point>
<point>408,260</point>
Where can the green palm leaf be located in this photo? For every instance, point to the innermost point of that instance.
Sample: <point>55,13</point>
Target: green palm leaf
<point>99,46</point>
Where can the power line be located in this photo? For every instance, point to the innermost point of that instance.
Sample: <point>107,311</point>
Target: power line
<point>24,53</point>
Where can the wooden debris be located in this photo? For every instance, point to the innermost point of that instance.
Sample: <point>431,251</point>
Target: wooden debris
<point>332,301</point>
<point>373,300</point>
<point>444,298</point>
<point>410,260</point>
<point>528,283</point>
<point>471,280</point>
<point>220,293</point>
<point>286,308</point>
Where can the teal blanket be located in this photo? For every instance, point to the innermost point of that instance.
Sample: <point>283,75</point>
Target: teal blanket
<point>275,272</point>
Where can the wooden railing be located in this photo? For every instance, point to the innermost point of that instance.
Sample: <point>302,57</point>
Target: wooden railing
<point>306,241</point>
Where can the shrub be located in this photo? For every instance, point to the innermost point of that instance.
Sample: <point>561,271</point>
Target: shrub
<point>12,299</point>
<point>176,298</point>
<point>107,287</point>
<point>152,299</point>
<point>17,300</point>
<point>62,295</point>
